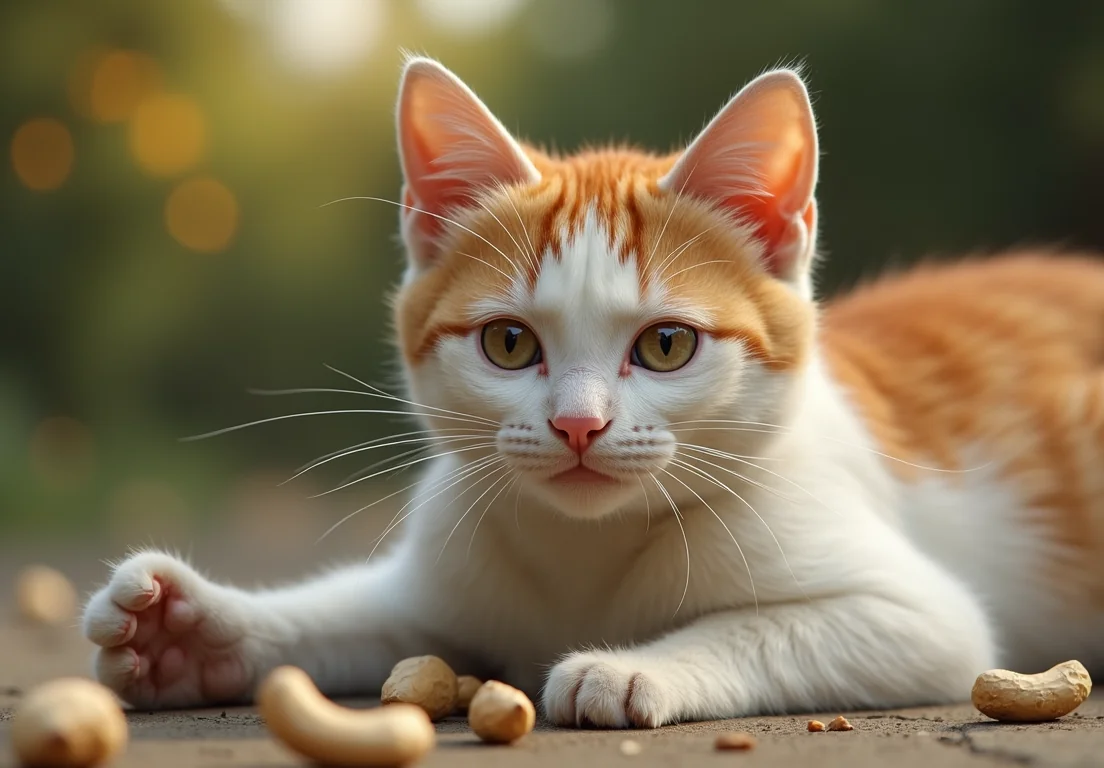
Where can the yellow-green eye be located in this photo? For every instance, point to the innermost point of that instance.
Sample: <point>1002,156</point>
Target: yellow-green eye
<point>510,345</point>
<point>664,347</point>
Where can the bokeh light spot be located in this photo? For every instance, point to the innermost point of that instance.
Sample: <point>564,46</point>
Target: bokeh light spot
<point>202,214</point>
<point>119,82</point>
<point>469,18</point>
<point>61,452</point>
<point>168,134</point>
<point>325,36</point>
<point>42,153</point>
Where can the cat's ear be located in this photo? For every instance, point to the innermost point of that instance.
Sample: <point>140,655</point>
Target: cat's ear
<point>758,159</point>
<point>451,148</point>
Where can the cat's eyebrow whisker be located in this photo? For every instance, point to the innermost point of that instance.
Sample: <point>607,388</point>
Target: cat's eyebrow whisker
<point>395,523</point>
<point>524,230</point>
<point>509,234</point>
<point>676,252</point>
<point>484,262</point>
<point>373,445</point>
<point>670,214</point>
<point>286,416</point>
<point>498,474</point>
<point>775,429</point>
<point>685,541</point>
<point>377,392</point>
<point>427,213</point>
<point>481,462</point>
<point>342,486</point>
<point>695,266</point>
<point>707,476</point>
<point>751,579</point>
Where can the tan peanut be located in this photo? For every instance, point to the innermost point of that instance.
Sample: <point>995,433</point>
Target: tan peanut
<point>423,680</point>
<point>44,596</point>
<point>313,726</point>
<point>466,686</point>
<point>815,726</point>
<point>840,723</point>
<point>68,723</point>
<point>735,741</point>
<point>500,714</point>
<point>1016,698</point>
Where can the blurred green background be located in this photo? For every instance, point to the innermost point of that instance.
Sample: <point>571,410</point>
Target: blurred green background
<point>164,248</point>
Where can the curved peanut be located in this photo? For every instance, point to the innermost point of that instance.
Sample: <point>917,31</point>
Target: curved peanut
<point>1017,698</point>
<point>68,723</point>
<point>315,727</point>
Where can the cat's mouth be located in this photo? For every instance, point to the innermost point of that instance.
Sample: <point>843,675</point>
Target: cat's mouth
<point>580,474</point>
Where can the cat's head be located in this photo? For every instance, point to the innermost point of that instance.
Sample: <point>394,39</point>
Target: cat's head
<point>592,310</point>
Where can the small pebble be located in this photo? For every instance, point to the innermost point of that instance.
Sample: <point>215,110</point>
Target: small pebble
<point>630,748</point>
<point>840,724</point>
<point>735,741</point>
<point>815,726</point>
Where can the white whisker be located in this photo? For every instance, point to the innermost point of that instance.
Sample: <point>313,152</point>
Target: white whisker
<point>380,393</point>
<point>739,549</point>
<point>286,416</point>
<point>343,486</point>
<point>487,508</point>
<point>427,213</point>
<point>702,473</point>
<point>443,439</point>
<point>499,473</point>
<point>685,542</point>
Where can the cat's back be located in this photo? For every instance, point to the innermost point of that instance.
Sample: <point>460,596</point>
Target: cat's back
<point>990,374</point>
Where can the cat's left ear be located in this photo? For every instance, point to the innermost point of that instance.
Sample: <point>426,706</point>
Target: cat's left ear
<point>758,159</point>
<point>451,148</point>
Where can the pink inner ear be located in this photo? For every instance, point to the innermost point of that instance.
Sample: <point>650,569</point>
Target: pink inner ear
<point>758,159</point>
<point>452,147</point>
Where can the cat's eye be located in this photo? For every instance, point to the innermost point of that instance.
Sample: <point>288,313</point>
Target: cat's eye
<point>510,345</point>
<point>664,347</point>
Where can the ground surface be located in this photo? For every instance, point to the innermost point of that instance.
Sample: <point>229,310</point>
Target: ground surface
<point>945,737</point>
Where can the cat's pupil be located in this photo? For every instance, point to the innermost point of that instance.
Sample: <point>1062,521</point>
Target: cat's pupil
<point>666,337</point>
<point>511,339</point>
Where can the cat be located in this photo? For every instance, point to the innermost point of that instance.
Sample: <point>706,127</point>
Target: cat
<point>670,484</point>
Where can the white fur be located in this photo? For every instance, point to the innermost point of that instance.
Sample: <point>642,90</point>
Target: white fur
<point>803,578</point>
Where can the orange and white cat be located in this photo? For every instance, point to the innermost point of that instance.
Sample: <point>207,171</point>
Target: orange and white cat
<point>668,485</point>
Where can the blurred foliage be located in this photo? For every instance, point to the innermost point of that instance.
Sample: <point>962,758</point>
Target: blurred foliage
<point>165,245</point>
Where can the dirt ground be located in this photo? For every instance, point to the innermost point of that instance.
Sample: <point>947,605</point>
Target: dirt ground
<point>945,736</point>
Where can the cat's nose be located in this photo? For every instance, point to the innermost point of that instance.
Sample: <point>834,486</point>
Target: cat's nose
<point>578,431</point>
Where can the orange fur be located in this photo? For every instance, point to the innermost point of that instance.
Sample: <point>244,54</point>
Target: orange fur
<point>1004,356</point>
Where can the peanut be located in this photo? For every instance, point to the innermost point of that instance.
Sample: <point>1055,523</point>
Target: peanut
<point>1017,698</point>
<point>423,680</point>
<point>736,740</point>
<point>44,595</point>
<point>840,724</point>
<point>466,686</point>
<point>69,722</point>
<point>318,729</point>
<point>500,714</point>
<point>815,726</point>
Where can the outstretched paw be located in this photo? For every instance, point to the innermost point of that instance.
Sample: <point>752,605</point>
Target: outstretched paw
<point>170,638</point>
<point>609,690</point>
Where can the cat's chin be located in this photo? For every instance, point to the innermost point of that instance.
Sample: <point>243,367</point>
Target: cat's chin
<point>584,494</point>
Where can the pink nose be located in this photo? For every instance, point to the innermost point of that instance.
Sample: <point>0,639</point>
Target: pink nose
<point>578,431</point>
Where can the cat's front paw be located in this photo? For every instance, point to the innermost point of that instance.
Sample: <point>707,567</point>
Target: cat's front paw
<point>610,689</point>
<point>170,638</point>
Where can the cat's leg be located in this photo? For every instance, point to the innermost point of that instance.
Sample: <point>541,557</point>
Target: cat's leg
<point>169,637</point>
<point>846,652</point>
